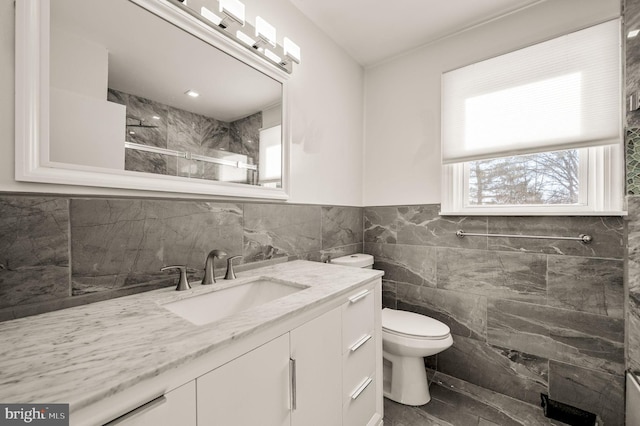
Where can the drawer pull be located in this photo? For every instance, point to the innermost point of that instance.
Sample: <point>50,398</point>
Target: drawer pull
<point>360,342</point>
<point>151,405</point>
<point>356,393</point>
<point>359,296</point>
<point>294,384</point>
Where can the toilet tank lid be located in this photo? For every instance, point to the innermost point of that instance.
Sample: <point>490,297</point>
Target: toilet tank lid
<point>358,260</point>
<point>413,324</point>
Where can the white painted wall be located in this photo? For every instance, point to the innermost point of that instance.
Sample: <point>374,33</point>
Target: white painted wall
<point>402,102</point>
<point>326,110</point>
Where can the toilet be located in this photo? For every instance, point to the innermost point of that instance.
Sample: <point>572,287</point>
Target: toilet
<point>407,338</point>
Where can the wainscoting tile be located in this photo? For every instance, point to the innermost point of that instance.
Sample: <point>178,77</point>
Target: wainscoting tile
<point>517,374</point>
<point>422,225</point>
<point>274,230</point>
<point>380,225</point>
<point>582,339</point>
<point>117,243</point>
<point>341,226</point>
<point>521,412</point>
<point>406,264</point>
<point>633,277</point>
<point>607,233</point>
<point>517,276</point>
<point>34,257</point>
<point>586,285</point>
<point>465,314</point>
<point>588,390</point>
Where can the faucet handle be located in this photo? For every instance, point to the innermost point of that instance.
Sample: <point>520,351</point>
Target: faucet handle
<point>183,283</point>
<point>230,275</point>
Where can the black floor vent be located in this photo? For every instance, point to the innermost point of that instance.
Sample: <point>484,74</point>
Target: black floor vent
<point>566,413</point>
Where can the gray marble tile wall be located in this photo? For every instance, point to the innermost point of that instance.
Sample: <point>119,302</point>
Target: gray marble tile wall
<point>57,252</point>
<point>528,316</point>
<point>633,284</point>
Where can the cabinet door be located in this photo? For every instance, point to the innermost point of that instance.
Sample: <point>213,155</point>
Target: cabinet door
<point>250,390</point>
<point>177,407</point>
<point>316,351</point>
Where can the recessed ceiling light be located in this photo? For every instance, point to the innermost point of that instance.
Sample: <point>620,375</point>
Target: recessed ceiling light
<point>192,93</point>
<point>155,117</point>
<point>632,34</point>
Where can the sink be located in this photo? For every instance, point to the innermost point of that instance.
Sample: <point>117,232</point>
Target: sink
<point>218,304</point>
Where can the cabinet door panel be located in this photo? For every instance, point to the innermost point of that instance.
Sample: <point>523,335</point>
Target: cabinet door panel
<point>250,390</point>
<point>317,349</point>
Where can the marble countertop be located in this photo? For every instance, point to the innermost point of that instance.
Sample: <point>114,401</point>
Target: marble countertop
<point>83,354</point>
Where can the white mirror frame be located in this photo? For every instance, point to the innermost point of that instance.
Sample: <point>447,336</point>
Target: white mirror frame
<point>32,111</point>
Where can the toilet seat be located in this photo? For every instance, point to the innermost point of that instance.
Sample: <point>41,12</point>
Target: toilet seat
<point>412,325</point>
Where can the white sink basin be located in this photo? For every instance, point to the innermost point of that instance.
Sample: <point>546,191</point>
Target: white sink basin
<point>216,305</point>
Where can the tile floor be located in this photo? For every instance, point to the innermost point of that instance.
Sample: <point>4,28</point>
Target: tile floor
<point>458,403</point>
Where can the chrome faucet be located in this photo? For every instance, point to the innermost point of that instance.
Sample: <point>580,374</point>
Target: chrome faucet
<point>209,268</point>
<point>230,275</point>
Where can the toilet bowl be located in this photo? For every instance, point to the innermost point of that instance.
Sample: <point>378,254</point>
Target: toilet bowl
<point>407,338</point>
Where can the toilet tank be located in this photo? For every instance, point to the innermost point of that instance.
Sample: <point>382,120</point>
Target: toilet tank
<point>358,260</point>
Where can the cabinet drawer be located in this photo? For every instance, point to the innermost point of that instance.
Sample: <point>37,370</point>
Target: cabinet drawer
<point>360,402</point>
<point>358,362</point>
<point>357,317</point>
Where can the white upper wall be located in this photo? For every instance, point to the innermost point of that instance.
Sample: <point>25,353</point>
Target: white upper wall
<point>326,92</point>
<point>402,102</point>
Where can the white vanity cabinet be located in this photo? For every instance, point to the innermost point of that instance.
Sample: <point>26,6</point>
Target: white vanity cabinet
<point>316,356</point>
<point>323,372</point>
<point>250,390</point>
<point>362,358</point>
<point>294,379</point>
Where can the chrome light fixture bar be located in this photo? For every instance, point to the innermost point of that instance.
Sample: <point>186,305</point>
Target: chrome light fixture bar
<point>229,19</point>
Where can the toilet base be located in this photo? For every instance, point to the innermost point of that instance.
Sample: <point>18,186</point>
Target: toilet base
<point>405,379</point>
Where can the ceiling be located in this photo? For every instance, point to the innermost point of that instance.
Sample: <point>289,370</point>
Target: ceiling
<point>373,31</point>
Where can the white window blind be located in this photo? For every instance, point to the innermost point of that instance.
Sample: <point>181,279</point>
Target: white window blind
<point>560,94</point>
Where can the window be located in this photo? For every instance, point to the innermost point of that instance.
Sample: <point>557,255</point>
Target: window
<point>538,130</point>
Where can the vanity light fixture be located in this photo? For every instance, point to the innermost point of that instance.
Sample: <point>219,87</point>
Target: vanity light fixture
<point>206,13</point>
<point>265,32</point>
<point>231,17</point>
<point>233,9</point>
<point>245,38</point>
<point>192,93</point>
<point>633,33</point>
<point>291,50</point>
<point>275,58</point>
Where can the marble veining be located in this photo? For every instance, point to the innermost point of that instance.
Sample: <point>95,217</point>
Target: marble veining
<point>405,263</point>
<point>516,276</point>
<point>273,230</point>
<point>586,340</point>
<point>33,249</point>
<point>84,354</point>
<point>118,243</point>
<point>514,305</point>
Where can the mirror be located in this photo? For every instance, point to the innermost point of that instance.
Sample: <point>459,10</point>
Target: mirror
<point>116,90</point>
